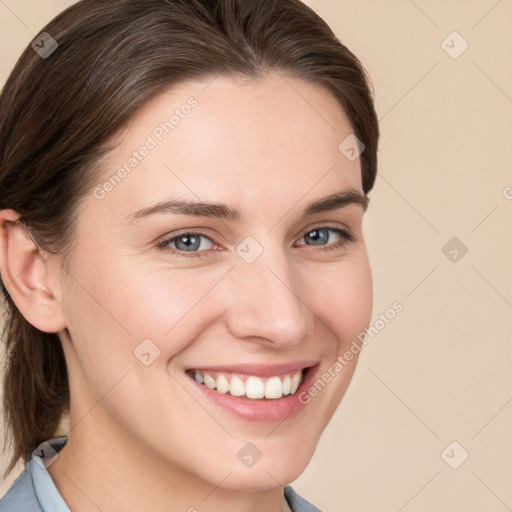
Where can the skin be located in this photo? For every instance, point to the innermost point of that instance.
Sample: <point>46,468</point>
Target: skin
<point>141,437</point>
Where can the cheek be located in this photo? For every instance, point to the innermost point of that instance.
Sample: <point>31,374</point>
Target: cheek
<point>126,303</point>
<point>357,299</point>
<point>342,299</point>
<point>111,312</point>
<point>343,308</point>
<point>169,306</point>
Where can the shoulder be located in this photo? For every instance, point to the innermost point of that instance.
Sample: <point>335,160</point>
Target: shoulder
<point>21,495</point>
<point>297,503</point>
<point>34,489</point>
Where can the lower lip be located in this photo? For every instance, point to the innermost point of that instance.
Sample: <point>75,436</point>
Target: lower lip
<point>260,410</point>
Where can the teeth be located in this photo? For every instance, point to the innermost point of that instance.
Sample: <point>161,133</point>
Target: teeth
<point>295,383</point>
<point>274,388</point>
<point>210,381</point>
<point>253,387</point>
<point>222,384</point>
<point>237,387</point>
<point>287,382</point>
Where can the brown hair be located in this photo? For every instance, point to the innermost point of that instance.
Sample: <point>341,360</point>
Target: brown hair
<point>58,113</point>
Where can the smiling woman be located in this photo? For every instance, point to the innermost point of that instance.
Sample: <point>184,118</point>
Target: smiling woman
<point>178,315</point>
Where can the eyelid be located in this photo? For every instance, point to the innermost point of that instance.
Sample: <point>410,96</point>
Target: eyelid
<point>323,225</point>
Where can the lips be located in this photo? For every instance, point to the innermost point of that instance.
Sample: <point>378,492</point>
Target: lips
<point>256,393</point>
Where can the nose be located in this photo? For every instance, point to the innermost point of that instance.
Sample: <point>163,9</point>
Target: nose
<point>268,305</point>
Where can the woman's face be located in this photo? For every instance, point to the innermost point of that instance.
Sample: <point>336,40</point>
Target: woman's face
<point>251,290</point>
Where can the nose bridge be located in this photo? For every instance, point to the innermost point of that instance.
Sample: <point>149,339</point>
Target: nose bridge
<point>267,300</point>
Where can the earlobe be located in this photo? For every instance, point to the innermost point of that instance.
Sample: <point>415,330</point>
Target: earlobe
<point>24,272</point>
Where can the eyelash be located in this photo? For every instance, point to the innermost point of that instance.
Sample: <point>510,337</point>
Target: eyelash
<point>345,238</point>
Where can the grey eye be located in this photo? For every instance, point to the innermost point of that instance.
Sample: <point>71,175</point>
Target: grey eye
<point>318,236</point>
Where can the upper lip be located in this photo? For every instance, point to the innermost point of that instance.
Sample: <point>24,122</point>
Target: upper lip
<point>258,369</point>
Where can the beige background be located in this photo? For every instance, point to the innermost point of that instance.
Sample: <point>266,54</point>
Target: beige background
<point>440,371</point>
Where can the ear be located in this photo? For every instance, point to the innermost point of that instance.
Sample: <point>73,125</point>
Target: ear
<point>25,274</point>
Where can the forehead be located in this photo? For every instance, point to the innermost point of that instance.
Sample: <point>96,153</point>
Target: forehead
<point>231,140</point>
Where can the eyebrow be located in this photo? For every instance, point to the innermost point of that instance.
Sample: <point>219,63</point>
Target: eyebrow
<point>223,211</point>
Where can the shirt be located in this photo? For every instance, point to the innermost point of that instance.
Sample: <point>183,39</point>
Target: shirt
<point>34,490</point>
